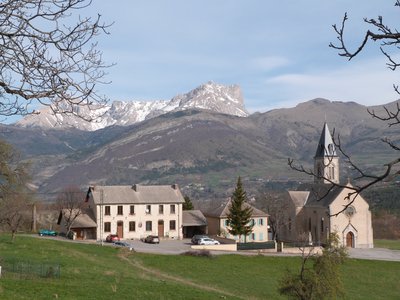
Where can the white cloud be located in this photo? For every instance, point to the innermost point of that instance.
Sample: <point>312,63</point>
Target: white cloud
<point>367,82</point>
<point>269,63</point>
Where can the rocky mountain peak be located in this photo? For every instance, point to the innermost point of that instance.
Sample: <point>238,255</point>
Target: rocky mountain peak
<point>209,96</point>
<point>215,97</point>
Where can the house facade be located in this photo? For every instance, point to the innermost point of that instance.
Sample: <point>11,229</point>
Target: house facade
<point>316,210</point>
<point>217,221</point>
<point>83,225</point>
<point>133,212</point>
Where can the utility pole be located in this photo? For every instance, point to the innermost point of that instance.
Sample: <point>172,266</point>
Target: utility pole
<point>33,229</point>
<point>101,215</point>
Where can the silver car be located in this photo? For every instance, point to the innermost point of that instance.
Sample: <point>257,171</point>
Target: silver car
<point>208,241</point>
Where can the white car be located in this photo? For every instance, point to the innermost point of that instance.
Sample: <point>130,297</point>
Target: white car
<point>208,241</point>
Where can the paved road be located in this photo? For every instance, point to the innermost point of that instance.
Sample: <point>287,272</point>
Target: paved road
<point>181,246</point>
<point>375,254</point>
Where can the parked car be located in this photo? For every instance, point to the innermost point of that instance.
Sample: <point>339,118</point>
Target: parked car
<point>112,238</point>
<point>123,244</point>
<point>152,239</point>
<point>43,232</point>
<point>197,237</point>
<point>208,241</point>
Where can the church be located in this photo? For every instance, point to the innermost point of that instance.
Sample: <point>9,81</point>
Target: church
<point>312,211</point>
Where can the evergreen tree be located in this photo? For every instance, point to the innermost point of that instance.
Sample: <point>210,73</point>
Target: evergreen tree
<point>239,217</point>
<point>188,205</point>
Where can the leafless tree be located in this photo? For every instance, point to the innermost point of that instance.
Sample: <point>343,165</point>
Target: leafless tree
<point>13,192</point>
<point>47,56</point>
<point>390,41</point>
<point>70,202</point>
<point>276,208</point>
<point>14,212</point>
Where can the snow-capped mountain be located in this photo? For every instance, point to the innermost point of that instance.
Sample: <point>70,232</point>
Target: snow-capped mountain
<point>209,96</point>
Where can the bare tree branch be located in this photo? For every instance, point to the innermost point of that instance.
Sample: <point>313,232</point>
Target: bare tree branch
<point>48,57</point>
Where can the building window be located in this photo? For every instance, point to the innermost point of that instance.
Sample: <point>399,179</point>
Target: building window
<point>260,236</point>
<point>132,226</point>
<point>226,223</point>
<point>149,226</point>
<point>107,210</point>
<point>253,236</point>
<point>252,222</point>
<point>172,209</point>
<point>261,222</point>
<point>322,225</point>
<point>107,227</point>
<point>172,225</point>
<point>132,209</point>
<point>161,209</point>
<point>120,210</point>
<point>148,209</point>
<point>290,224</point>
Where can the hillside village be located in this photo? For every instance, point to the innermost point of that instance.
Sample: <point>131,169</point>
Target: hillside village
<point>132,212</point>
<point>301,211</point>
<point>195,195</point>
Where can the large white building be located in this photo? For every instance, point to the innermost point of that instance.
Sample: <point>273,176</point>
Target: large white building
<point>131,212</point>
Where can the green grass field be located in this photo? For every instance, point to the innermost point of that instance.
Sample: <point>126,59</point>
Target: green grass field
<point>95,272</point>
<point>389,244</point>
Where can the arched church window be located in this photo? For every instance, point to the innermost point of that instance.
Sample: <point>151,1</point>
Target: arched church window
<point>330,149</point>
<point>322,225</point>
<point>319,170</point>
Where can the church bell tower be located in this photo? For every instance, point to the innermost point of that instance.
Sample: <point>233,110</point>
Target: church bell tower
<point>326,160</point>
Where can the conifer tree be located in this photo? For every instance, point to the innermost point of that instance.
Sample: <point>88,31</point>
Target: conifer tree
<point>188,205</point>
<point>239,217</point>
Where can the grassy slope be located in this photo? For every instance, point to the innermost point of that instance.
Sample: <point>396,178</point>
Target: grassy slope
<point>95,272</point>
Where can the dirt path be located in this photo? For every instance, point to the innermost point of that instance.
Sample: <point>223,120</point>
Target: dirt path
<point>164,276</point>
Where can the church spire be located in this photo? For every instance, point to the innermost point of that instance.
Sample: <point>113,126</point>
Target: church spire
<point>326,160</point>
<point>326,147</point>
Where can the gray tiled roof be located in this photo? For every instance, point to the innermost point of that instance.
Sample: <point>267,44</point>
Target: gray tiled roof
<point>314,195</point>
<point>193,218</point>
<point>223,211</point>
<point>137,194</point>
<point>84,220</point>
<point>299,198</point>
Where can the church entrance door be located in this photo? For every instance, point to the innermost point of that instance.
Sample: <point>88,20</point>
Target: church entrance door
<point>350,240</point>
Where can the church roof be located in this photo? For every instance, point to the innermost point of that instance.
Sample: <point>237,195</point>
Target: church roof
<point>299,198</point>
<point>315,195</point>
<point>326,147</point>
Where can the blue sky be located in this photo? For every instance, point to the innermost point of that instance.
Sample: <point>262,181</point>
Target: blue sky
<point>277,51</point>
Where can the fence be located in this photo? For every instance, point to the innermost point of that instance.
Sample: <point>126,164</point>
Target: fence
<point>29,269</point>
<point>256,246</point>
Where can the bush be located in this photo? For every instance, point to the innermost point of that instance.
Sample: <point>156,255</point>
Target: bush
<point>199,253</point>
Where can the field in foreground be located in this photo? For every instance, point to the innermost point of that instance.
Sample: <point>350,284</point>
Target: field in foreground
<point>95,272</point>
<point>388,244</point>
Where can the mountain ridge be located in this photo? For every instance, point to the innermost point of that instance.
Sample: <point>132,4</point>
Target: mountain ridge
<point>201,150</point>
<point>211,96</point>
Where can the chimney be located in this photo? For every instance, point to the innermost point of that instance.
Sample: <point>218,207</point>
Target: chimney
<point>135,187</point>
<point>175,186</point>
